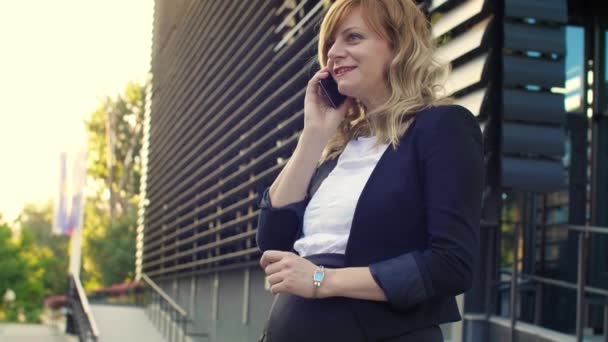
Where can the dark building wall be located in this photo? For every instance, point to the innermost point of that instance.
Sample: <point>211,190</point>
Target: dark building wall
<point>227,107</point>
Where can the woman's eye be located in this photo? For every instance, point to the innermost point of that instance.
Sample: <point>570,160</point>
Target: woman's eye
<point>354,35</point>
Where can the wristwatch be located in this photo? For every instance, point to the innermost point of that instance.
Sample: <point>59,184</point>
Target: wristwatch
<point>317,279</point>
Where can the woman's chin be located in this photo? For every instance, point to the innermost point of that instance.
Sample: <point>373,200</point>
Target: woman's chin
<point>347,91</point>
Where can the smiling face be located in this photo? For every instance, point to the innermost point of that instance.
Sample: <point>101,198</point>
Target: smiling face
<point>354,44</point>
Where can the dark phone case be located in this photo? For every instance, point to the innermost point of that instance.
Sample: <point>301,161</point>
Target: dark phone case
<point>330,88</point>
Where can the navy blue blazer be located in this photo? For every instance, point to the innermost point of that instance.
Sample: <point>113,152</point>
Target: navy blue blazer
<point>416,223</point>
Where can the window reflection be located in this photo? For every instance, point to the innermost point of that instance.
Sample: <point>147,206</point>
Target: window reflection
<point>604,91</point>
<point>575,50</point>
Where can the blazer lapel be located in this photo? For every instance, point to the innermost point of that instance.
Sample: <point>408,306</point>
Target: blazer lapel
<point>321,173</point>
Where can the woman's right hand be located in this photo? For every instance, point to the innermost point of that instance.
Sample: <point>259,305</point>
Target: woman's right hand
<point>319,116</point>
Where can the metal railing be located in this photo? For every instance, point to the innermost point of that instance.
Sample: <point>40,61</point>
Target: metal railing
<point>81,322</point>
<point>168,316</point>
<point>581,287</point>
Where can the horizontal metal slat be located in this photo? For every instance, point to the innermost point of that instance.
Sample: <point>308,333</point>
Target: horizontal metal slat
<point>182,69</point>
<point>204,262</point>
<point>244,93</point>
<point>188,97</point>
<point>212,171</point>
<point>197,122</point>
<point>457,16</point>
<point>200,223</point>
<point>533,139</point>
<point>188,252</point>
<point>176,218</point>
<point>199,74</point>
<point>435,4</point>
<point>192,250</point>
<point>466,75</point>
<point>256,108</point>
<point>309,17</point>
<point>236,191</point>
<point>547,10</point>
<point>464,43</point>
<point>521,71</point>
<point>531,106</point>
<point>215,151</point>
<point>173,180</point>
<point>287,19</point>
<point>532,175</point>
<point>524,37</point>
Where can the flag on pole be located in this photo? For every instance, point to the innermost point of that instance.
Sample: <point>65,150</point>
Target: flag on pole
<point>78,184</point>
<point>61,205</point>
<point>69,208</point>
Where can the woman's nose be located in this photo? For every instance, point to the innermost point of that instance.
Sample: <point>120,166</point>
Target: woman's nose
<point>334,52</point>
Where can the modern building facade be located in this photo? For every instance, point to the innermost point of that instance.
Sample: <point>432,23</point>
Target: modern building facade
<point>227,106</point>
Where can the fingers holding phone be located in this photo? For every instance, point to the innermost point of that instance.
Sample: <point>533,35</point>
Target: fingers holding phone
<point>324,106</point>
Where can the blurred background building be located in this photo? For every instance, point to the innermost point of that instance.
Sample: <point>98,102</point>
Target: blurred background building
<point>226,109</point>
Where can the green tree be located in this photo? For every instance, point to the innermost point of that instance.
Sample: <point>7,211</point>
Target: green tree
<point>29,266</point>
<point>31,292</point>
<point>12,266</point>
<point>49,250</point>
<point>117,250</point>
<point>115,134</point>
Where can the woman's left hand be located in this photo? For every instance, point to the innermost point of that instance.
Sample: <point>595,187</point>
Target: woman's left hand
<point>288,272</point>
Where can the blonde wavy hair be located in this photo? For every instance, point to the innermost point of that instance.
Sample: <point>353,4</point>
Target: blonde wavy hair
<point>414,76</point>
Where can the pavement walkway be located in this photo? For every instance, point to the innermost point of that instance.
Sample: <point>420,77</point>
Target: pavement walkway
<point>31,333</point>
<point>124,323</point>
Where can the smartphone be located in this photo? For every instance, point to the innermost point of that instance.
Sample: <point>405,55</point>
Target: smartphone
<point>330,89</point>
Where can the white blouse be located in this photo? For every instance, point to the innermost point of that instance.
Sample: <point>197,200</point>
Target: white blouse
<point>329,213</point>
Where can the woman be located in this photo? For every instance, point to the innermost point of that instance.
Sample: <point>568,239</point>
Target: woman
<point>371,228</point>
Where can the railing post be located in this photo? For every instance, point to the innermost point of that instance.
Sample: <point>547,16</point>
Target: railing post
<point>81,322</point>
<point>69,323</point>
<point>171,329</point>
<point>157,311</point>
<point>153,310</point>
<point>160,323</point>
<point>514,276</point>
<point>170,318</point>
<point>176,326</point>
<point>606,321</point>
<point>185,326</point>
<point>152,305</point>
<point>580,286</point>
<point>180,331</point>
<point>163,323</point>
<point>167,311</point>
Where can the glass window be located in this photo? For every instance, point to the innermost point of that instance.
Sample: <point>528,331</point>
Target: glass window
<point>575,53</point>
<point>604,88</point>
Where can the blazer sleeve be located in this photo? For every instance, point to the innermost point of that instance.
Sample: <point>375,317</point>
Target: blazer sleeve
<point>451,156</point>
<point>278,228</point>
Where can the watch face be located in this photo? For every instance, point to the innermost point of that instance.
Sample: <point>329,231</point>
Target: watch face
<point>318,276</point>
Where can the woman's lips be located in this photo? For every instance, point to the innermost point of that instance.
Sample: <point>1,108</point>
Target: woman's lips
<point>344,73</point>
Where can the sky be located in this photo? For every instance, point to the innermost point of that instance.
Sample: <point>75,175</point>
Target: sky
<point>58,59</point>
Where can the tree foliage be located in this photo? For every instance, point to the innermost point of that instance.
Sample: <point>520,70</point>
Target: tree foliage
<point>115,249</point>
<point>33,261</point>
<point>50,250</point>
<point>115,131</point>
